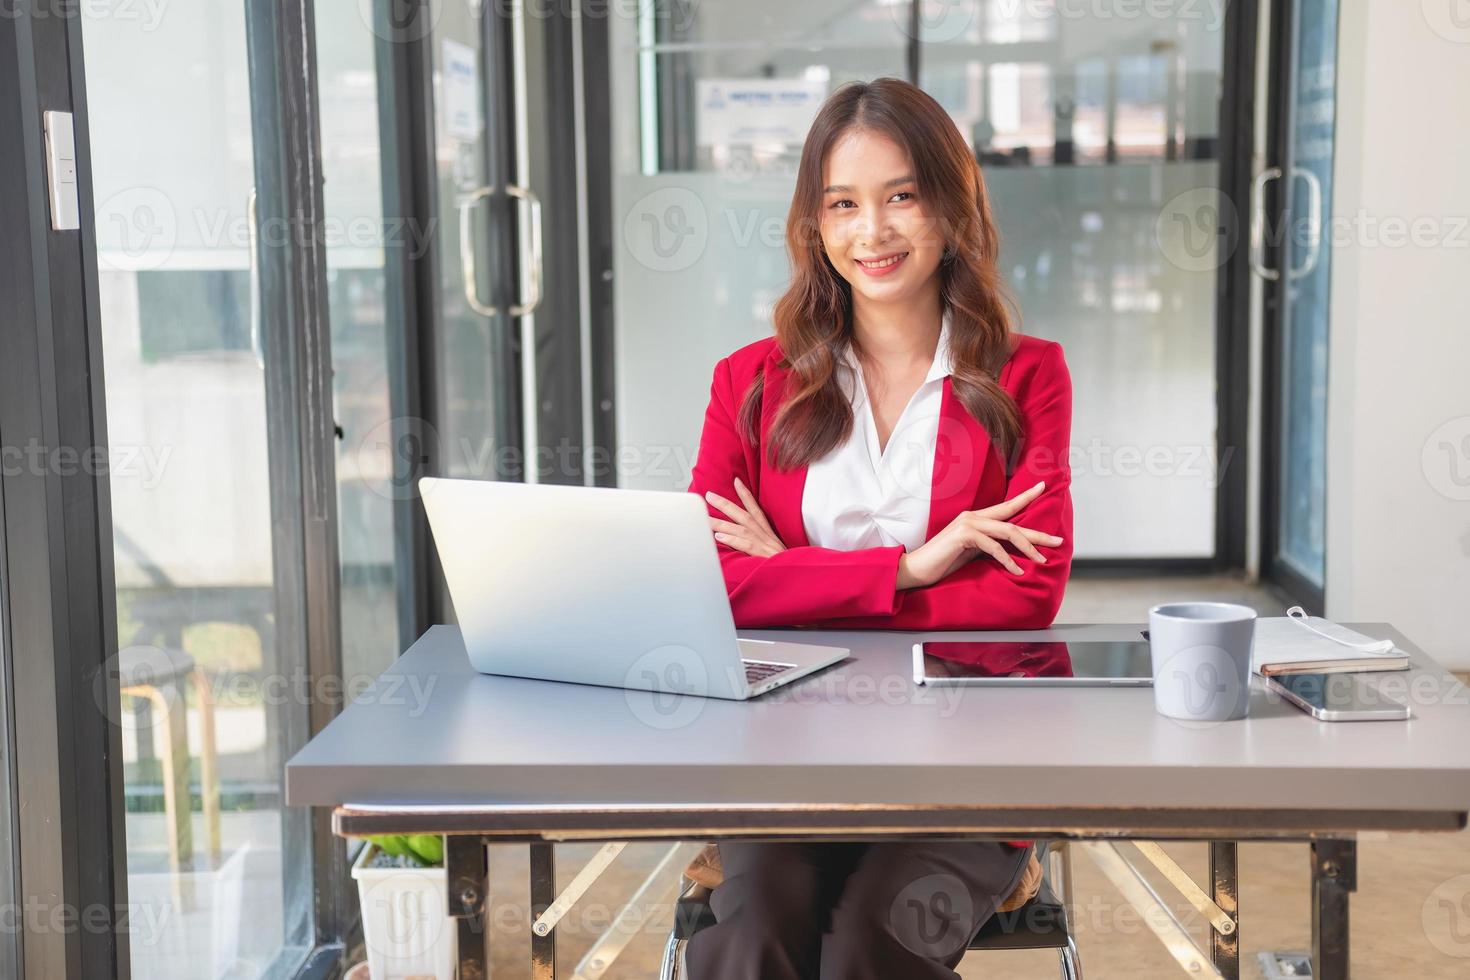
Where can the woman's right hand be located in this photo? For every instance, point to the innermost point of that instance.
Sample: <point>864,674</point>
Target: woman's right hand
<point>973,533</point>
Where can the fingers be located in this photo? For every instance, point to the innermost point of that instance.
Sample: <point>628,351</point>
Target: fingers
<point>755,540</point>
<point>753,507</point>
<point>749,515</point>
<point>726,527</point>
<point>750,546</point>
<point>747,530</point>
<point>737,541</point>
<point>993,527</point>
<point>732,510</point>
<point>719,503</point>
<point>1023,544</point>
<point>1013,506</point>
<point>1039,537</point>
<point>995,550</point>
<point>987,535</point>
<point>1026,496</point>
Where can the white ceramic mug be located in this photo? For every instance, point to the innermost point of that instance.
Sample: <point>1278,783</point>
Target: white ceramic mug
<point>1202,659</point>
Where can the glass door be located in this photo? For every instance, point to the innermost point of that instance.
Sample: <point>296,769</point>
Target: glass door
<point>512,379</point>
<point>1294,259</point>
<point>213,699</point>
<point>487,295</point>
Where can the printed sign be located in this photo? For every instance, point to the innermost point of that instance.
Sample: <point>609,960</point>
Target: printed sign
<point>459,96</point>
<point>762,110</point>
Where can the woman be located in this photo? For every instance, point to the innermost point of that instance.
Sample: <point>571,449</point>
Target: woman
<point>895,457</point>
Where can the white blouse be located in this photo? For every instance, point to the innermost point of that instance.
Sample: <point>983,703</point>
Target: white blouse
<point>858,496</point>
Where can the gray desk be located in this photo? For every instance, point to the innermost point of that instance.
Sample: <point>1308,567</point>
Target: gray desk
<point>859,752</point>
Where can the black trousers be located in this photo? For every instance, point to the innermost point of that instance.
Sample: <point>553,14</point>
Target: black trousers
<point>896,911</point>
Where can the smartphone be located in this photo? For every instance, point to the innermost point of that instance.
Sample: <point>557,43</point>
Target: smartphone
<point>1338,697</point>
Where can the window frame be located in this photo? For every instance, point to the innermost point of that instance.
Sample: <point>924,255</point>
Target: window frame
<point>57,601</point>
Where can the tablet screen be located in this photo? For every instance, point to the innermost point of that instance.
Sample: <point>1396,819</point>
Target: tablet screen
<point>1089,660</point>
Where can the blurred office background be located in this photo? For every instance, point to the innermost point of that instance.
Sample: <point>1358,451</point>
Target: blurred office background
<point>1279,421</point>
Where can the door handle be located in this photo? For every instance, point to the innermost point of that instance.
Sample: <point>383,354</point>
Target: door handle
<point>469,259</point>
<point>252,228</point>
<point>1258,224</point>
<point>1314,223</point>
<point>534,299</point>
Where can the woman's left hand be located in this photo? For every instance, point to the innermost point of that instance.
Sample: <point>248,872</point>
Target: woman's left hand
<point>747,529</point>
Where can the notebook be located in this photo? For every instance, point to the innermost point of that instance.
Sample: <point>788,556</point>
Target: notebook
<point>1300,644</point>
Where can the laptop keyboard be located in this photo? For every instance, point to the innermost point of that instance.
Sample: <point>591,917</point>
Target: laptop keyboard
<point>758,670</point>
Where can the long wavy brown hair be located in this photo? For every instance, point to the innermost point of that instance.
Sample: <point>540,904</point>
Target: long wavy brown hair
<point>814,317</point>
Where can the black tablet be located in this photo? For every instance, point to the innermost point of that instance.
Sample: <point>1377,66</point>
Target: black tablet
<point>1096,663</point>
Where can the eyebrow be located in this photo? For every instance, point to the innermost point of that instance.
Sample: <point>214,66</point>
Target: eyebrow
<point>846,188</point>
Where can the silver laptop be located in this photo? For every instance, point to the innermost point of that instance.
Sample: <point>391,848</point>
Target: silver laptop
<point>620,588</point>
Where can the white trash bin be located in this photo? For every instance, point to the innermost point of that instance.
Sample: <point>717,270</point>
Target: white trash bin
<point>405,921</point>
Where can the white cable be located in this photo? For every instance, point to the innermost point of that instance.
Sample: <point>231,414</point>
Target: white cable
<point>1299,615</point>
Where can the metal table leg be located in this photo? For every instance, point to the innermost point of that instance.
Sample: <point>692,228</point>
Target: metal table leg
<point>543,893</point>
<point>1334,879</point>
<point>467,869</point>
<point>1224,884</point>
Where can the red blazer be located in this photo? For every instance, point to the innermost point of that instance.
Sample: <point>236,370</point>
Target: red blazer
<point>806,585</point>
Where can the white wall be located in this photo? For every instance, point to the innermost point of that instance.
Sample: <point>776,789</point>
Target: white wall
<point>1398,479</point>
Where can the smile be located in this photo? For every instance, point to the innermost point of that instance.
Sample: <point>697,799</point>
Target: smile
<point>882,266</point>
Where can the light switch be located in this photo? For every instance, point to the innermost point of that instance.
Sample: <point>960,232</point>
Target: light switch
<point>61,171</point>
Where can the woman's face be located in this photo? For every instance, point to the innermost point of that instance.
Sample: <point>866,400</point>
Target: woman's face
<point>878,234</point>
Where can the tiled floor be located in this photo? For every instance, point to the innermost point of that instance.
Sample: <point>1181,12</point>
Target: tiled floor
<point>1410,917</point>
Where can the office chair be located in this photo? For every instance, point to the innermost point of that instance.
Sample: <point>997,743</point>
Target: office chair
<point>1039,924</point>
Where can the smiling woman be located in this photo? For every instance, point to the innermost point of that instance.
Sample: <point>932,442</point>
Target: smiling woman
<point>894,457</point>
